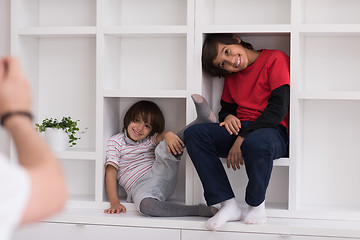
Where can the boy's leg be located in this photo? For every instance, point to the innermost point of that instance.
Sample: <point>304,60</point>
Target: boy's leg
<point>205,143</point>
<point>156,208</point>
<point>204,113</point>
<point>259,150</point>
<point>159,185</point>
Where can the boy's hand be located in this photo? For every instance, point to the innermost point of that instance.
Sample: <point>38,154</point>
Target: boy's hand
<point>115,208</point>
<point>232,124</point>
<point>235,156</point>
<point>173,143</point>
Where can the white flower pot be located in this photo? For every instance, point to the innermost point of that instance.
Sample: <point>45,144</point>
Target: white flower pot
<point>57,139</point>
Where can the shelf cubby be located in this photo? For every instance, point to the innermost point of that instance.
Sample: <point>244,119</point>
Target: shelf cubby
<point>174,112</point>
<point>145,63</point>
<point>212,87</point>
<point>330,12</point>
<point>330,62</point>
<point>139,12</point>
<point>115,109</point>
<point>277,195</point>
<point>62,73</point>
<point>53,13</point>
<point>235,12</point>
<point>80,179</point>
<point>329,165</point>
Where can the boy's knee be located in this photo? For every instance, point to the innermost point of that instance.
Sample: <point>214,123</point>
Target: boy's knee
<point>196,130</point>
<point>258,146</point>
<point>190,132</point>
<point>148,206</point>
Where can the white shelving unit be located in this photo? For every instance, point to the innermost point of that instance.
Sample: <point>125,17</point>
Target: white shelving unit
<point>327,96</point>
<point>92,59</point>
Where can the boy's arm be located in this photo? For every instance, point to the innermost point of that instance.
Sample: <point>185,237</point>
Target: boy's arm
<point>174,144</point>
<point>111,188</point>
<point>275,111</point>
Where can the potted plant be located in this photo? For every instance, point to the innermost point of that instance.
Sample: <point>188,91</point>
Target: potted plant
<point>60,134</point>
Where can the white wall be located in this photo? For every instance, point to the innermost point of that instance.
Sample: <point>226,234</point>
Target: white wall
<point>4,50</point>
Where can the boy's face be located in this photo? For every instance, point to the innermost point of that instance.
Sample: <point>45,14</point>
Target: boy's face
<point>231,58</point>
<point>138,129</point>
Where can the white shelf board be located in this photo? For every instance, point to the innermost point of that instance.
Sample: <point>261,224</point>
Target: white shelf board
<point>76,154</point>
<point>284,162</point>
<point>271,28</point>
<point>281,226</point>
<point>80,198</point>
<point>54,31</point>
<point>330,28</point>
<point>146,93</point>
<point>84,202</point>
<point>281,162</point>
<point>327,212</point>
<point>330,95</point>
<point>146,30</point>
<point>272,209</point>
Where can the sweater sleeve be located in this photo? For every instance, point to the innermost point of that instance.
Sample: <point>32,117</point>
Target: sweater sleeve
<point>275,111</point>
<point>226,109</point>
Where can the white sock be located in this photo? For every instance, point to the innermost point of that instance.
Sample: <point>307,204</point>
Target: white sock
<point>229,211</point>
<point>256,215</point>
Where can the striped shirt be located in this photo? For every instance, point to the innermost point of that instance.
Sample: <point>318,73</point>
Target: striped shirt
<point>131,159</point>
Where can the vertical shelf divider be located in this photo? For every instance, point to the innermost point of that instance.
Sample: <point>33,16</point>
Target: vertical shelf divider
<point>99,166</point>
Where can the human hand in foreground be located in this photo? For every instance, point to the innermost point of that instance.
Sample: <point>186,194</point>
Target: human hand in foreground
<point>232,124</point>
<point>15,94</point>
<point>235,156</point>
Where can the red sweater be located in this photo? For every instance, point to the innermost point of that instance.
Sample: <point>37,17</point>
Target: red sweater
<point>250,88</point>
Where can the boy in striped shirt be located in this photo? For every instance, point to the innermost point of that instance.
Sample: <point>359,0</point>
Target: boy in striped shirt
<point>144,160</point>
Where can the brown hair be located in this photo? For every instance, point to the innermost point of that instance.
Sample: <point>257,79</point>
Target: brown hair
<point>149,112</point>
<point>210,51</point>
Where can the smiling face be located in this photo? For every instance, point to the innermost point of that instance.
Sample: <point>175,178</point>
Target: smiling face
<point>138,130</point>
<point>232,58</point>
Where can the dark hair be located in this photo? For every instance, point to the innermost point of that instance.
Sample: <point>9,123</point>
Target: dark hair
<point>149,112</point>
<point>210,51</point>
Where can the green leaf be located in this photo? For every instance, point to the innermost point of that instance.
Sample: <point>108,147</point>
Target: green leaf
<point>69,125</point>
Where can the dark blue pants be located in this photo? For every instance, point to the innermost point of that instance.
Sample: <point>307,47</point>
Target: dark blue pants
<point>207,142</point>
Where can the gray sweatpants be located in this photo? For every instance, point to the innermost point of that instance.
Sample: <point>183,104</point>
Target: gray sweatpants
<point>160,181</point>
